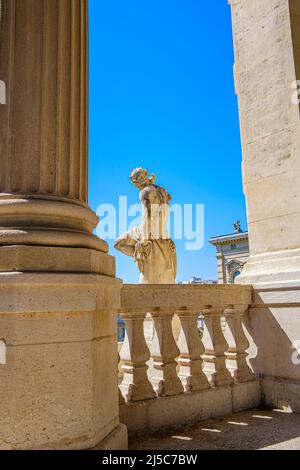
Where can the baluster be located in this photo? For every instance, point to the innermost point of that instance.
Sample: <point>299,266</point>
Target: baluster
<point>236,356</point>
<point>134,353</point>
<point>163,353</point>
<point>215,346</point>
<point>191,349</point>
<point>121,398</point>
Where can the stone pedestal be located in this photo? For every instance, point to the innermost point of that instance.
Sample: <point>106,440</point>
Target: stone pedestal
<point>59,294</point>
<point>267,58</point>
<point>59,386</point>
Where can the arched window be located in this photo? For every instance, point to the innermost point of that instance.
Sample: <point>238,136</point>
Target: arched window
<point>234,269</point>
<point>236,274</point>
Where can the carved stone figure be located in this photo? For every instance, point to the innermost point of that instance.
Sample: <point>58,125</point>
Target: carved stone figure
<point>237,227</point>
<point>149,243</point>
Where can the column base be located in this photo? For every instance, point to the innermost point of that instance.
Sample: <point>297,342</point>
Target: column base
<point>58,387</point>
<point>273,267</point>
<point>24,258</point>
<point>47,222</point>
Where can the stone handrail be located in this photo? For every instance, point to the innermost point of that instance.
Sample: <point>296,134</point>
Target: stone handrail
<point>169,368</point>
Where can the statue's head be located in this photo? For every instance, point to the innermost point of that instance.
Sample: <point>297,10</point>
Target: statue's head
<point>140,178</point>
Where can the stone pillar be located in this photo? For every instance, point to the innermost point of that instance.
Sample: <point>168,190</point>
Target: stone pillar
<point>43,136</point>
<point>59,294</point>
<point>267,45</point>
<point>267,67</point>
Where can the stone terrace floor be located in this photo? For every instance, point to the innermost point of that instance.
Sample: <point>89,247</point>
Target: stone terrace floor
<point>254,429</point>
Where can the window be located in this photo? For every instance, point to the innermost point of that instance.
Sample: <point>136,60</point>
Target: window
<point>121,329</point>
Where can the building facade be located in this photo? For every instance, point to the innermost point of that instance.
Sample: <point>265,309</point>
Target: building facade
<point>232,254</point>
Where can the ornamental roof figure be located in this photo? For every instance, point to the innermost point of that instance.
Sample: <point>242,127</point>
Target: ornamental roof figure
<point>237,227</point>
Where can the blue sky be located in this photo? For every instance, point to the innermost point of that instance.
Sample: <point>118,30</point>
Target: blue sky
<point>162,97</point>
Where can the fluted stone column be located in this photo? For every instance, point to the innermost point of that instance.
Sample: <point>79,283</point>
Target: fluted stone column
<point>58,291</point>
<point>43,133</point>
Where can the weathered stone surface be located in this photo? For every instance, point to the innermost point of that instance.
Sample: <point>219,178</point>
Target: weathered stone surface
<point>117,440</point>
<point>60,335</point>
<point>187,408</point>
<point>276,309</point>
<point>267,53</point>
<point>200,368</point>
<point>149,243</point>
<point>174,297</point>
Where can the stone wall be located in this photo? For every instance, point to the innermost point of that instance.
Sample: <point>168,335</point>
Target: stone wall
<point>267,56</point>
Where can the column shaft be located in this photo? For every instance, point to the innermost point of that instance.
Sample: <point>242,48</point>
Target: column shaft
<point>44,125</point>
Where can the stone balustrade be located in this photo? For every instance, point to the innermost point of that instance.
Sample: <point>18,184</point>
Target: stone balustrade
<point>197,362</point>
<point>194,363</point>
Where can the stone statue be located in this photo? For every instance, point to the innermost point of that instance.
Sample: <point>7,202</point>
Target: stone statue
<point>237,227</point>
<point>149,243</point>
